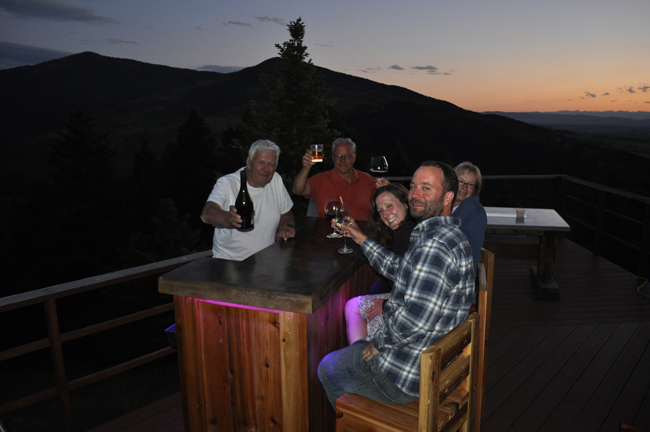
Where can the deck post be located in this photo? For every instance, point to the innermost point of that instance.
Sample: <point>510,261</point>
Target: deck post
<point>559,197</point>
<point>59,366</point>
<point>644,255</point>
<point>600,221</point>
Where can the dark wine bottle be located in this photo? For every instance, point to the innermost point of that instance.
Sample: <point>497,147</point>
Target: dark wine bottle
<point>244,205</point>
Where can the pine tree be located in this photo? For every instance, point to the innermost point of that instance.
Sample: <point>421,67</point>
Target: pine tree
<point>298,113</point>
<point>190,165</point>
<point>80,230</point>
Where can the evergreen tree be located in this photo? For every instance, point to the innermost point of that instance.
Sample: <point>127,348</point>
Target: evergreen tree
<point>298,113</point>
<point>167,234</point>
<point>143,187</point>
<point>299,107</point>
<point>189,166</point>
<point>79,232</point>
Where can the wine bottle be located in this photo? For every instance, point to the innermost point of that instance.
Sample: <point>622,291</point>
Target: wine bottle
<point>244,205</point>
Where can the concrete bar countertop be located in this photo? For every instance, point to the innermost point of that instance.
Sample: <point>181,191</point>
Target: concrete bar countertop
<point>298,275</point>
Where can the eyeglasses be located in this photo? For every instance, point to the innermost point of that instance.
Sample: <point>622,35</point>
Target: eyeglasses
<point>345,156</point>
<point>467,185</point>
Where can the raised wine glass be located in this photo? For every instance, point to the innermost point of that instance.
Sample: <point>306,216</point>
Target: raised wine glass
<point>341,222</point>
<point>378,164</point>
<point>332,204</point>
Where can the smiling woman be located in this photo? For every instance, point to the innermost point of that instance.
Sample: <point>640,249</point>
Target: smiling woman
<point>390,225</point>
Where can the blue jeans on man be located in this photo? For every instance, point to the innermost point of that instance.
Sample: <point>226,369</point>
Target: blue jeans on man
<point>345,371</point>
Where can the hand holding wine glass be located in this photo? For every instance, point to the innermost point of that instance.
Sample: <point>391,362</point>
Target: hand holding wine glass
<point>341,222</point>
<point>350,229</point>
<point>332,205</point>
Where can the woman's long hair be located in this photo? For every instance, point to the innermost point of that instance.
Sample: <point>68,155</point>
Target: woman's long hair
<point>377,229</point>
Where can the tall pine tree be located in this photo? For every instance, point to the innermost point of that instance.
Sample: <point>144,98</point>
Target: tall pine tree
<point>190,165</point>
<point>298,113</point>
<point>82,233</point>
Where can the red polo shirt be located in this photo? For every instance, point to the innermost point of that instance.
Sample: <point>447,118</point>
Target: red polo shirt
<point>358,193</point>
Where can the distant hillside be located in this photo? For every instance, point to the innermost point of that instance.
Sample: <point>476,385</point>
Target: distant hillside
<point>135,101</point>
<point>637,119</point>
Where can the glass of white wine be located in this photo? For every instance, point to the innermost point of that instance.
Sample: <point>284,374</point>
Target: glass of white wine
<point>341,222</point>
<point>332,204</point>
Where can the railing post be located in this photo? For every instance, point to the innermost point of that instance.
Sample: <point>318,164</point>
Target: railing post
<point>600,221</point>
<point>644,255</point>
<point>59,366</point>
<point>559,197</point>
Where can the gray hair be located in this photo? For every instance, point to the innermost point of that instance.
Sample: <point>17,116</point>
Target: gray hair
<point>264,146</point>
<point>348,141</point>
<point>471,168</point>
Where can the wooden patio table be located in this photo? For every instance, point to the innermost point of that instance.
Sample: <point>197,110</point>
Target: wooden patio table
<point>544,223</point>
<point>251,333</point>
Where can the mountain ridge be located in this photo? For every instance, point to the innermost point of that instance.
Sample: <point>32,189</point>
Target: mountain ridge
<point>134,101</point>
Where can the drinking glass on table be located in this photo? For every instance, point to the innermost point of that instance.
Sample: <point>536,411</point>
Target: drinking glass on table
<point>332,204</point>
<point>341,222</point>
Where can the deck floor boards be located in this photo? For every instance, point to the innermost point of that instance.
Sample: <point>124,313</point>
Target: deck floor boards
<point>578,364</point>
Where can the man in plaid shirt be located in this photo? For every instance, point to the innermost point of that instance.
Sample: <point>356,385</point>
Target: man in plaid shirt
<point>432,294</point>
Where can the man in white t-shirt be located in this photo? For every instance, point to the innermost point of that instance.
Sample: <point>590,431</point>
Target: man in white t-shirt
<point>273,217</point>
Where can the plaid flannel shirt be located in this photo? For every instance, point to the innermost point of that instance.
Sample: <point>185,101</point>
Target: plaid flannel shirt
<point>433,290</point>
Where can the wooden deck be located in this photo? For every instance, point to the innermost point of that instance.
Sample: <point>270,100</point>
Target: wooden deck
<point>578,364</point>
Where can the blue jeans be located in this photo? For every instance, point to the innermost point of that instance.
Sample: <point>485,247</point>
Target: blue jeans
<point>345,371</point>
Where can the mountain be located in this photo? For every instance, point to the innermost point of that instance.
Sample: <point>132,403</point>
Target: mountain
<point>638,119</point>
<point>134,101</point>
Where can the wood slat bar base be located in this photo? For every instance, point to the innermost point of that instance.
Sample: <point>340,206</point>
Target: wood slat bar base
<point>246,369</point>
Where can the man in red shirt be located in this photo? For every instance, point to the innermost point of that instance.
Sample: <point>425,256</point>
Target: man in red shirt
<point>354,187</point>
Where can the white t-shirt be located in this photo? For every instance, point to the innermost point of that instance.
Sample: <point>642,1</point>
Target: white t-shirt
<point>269,203</point>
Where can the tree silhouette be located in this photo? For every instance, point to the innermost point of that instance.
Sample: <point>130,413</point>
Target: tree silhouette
<point>298,113</point>
<point>80,233</point>
<point>190,165</point>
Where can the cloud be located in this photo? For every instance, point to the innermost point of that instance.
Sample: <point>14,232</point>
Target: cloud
<point>648,102</point>
<point>432,70</point>
<point>121,42</point>
<point>279,21</point>
<point>591,95</point>
<point>238,23</point>
<point>52,11</point>
<point>13,55</point>
<point>370,70</point>
<point>606,94</point>
<point>220,69</point>
<point>396,67</point>
<point>626,89</point>
<point>323,45</point>
<point>644,88</point>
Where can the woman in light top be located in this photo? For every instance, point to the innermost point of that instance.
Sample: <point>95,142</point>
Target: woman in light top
<point>390,225</point>
<point>468,208</point>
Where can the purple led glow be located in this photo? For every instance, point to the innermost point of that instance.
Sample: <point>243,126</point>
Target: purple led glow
<point>241,306</point>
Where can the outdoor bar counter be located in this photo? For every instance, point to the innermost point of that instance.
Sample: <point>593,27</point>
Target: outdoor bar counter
<point>251,333</point>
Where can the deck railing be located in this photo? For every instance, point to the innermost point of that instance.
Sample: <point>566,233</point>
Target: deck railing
<point>48,298</point>
<point>599,215</point>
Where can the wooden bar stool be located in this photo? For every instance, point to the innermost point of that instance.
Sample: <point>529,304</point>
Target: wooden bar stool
<point>448,391</point>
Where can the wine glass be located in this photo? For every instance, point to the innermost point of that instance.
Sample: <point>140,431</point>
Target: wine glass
<point>378,164</point>
<point>332,204</point>
<point>341,222</point>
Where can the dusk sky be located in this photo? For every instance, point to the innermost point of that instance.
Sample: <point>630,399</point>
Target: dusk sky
<point>497,55</point>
